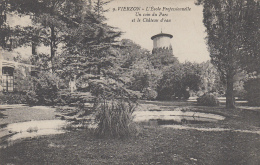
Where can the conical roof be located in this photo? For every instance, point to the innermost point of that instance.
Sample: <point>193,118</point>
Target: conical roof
<point>161,34</point>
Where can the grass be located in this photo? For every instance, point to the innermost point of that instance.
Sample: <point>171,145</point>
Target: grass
<point>155,145</point>
<point>2,115</point>
<point>20,113</point>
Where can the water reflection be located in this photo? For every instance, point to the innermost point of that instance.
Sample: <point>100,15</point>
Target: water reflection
<point>175,117</point>
<point>16,131</point>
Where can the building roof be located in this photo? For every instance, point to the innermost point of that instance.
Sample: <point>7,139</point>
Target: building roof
<point>161,34</point>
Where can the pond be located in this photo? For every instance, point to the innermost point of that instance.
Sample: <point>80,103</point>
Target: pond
<point>158,117</point>
<point>15,131</point>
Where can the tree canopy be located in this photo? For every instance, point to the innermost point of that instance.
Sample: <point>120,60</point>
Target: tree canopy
<point>233,35</point>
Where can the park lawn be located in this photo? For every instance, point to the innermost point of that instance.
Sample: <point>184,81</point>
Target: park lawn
<point>154,145</point>
<point>238,118</point>
<point>15,113</point>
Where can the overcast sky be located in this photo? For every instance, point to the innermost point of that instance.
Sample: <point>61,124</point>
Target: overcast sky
<point>187,28</point>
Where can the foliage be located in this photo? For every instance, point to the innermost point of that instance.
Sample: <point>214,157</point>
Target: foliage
<point>250,56</point>
<point>22,79</point>
<point>239,81</point>
<point>68,98</point>
<point>44,90</point>
<point>4,28</point>
<point>12,98</point>
<point>114,118</point>
<point>51,20</point>
<point>32,98</point>
<point>208,100</point>
<point>88,51</point>
<point>130,53</point>
<point>89,56</point>
<point>252,87</point>
<point>140,81</point>
<point>109,89</point>
<point>233,34</point>
<point>178,80</point>
<point>114,105</point>
<point>162,58</point>
<point>149,94</point>
<point>40,60</point>
<point>210,79</point>
<point>137,70</point>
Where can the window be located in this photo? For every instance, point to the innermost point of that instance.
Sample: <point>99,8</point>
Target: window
<point>8,79</point>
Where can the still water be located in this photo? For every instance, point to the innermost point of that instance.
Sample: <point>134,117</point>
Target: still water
<point>30,129</point>
<point>175,117</point>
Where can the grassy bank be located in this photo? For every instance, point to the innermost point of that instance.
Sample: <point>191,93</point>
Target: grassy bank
<point>154,146</point>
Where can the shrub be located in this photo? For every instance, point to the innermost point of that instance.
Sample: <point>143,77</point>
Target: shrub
<point>31,98</point>
<point>114,105</point>
<point>44,90</point>
<point>252,95</point>
<point>149,94</point>
<point>208,100</point>
<point>69,99</point>
<point>12,98</point>
<point>114,118</point>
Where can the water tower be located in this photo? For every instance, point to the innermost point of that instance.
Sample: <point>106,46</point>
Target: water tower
<point>162,42</point>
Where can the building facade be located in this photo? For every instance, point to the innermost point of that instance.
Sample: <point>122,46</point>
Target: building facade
<point>11,71</point>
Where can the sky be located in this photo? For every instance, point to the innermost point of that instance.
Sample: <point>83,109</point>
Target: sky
<point>187,28</point>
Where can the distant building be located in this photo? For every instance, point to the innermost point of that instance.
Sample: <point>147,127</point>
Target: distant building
<point>10,70</point>
<point>162,42</point>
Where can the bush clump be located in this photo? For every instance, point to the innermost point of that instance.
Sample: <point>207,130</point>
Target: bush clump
<point>68,98</point>
<point>208,100</point>
<point>12,98</point>
<point>114,106</point>
<point>44,90</point>
<point>252,95</point>
<point>114,118</point>
<point>149,94</point>
<point>31,98</point>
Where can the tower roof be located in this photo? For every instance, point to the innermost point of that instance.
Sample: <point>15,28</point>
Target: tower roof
<point>161,34</point>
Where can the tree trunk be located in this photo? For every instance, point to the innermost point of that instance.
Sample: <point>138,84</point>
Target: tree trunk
<point>34,53</point>
<point>53,48</point>
<point>230,100</point>
<point>34,48</point>
<point>99,70</point>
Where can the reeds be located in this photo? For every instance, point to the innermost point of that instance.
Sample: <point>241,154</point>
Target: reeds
<point>114,118</point>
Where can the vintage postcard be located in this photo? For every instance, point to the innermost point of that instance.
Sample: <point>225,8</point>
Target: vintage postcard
<point>129,82</point>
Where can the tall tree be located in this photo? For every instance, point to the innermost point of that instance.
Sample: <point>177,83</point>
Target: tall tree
<point>88,49</point>
<point>163,58</point>
<point>50,19</point>
<point>4,28</point>
<point>250,60</point>
<point>177,80</point>
<point>230,26</point>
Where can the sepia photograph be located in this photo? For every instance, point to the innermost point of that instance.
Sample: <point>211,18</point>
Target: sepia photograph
<point>130,82</point>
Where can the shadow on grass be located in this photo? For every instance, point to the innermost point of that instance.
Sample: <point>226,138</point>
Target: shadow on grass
<point>2,116</point>
<point>3,125</point>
